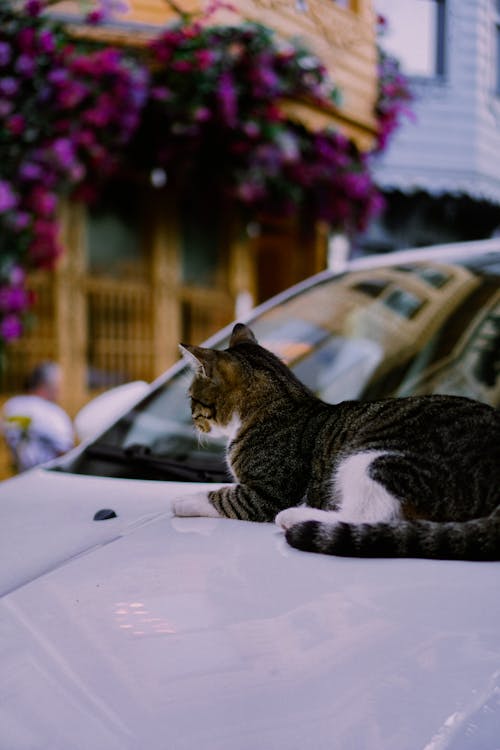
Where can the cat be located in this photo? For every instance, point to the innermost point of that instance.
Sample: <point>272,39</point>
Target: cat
<point>400,477</point>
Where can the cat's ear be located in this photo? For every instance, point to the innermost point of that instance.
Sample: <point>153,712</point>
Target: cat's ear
<point>199,359</point>
<point>242,335</point>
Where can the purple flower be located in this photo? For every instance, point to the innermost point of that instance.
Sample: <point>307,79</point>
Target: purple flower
<point>33,7</point>
<point>17,276</point>
<point>357,185</point>
<point>71,93</point>
<point>25,65</point>
<point>11,327</point>
<point>30,171</point>
<point>251,129</point>
<point>8,199</point>
<point>46,41</point>
<point>64,152</point>
<point>58,76</point>
<point>5,108</point>
<point>14,299</point>
<point>107,10</point>
<point>8,86</point>
<point>226,94</point>
<point>18,221</point>
<point>5,53</point>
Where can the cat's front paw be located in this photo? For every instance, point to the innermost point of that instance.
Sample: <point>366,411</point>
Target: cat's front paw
<point>197,504</point>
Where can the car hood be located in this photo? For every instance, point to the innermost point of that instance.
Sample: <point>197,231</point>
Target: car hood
<point>178,633</point>
<point>40,535</point>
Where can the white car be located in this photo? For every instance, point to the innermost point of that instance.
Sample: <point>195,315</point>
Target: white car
<point>125,628</point>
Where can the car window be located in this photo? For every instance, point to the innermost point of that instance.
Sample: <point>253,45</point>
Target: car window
<point>419,328</point>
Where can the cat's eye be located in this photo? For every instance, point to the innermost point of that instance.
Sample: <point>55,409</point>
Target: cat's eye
<point>197,402</point>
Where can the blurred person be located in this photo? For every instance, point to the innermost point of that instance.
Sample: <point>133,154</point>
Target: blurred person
<point>35,427</point>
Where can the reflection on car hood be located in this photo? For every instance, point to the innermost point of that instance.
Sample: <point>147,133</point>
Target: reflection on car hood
<point>186,633</point>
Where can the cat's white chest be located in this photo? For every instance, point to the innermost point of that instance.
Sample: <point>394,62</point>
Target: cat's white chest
<point>229,431</point>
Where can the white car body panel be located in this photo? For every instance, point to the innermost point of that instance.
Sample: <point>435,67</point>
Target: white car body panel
<point>149,632</point>
<point>186,633</point>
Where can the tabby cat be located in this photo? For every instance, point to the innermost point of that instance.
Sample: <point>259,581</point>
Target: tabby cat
<point>409,477</point>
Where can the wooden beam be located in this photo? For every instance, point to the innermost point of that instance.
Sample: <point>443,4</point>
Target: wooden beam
<point>70,307</point>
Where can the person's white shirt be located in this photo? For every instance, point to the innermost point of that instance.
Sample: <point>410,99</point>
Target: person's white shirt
<point>36,430</point>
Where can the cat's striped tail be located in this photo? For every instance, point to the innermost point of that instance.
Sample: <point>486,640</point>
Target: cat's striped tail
<point>478,539</point>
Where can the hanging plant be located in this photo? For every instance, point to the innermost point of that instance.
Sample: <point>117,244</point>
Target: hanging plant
<point>215,99</point>
<point>72,113</point>
<point>66,112</point>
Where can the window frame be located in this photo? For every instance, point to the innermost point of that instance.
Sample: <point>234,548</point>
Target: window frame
<point>439,43</point>
<point>496,47</point>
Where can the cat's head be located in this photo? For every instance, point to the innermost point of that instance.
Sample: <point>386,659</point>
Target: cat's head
<point>219,383</point>
<point>234,385</point>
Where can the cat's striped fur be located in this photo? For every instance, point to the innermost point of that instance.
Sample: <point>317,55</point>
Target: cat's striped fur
<point>413,477</point>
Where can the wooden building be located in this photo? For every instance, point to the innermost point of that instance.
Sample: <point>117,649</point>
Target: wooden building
<point>147,268</point>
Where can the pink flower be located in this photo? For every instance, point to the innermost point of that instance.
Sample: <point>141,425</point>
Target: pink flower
<point>251,129</point>
<point>202,114</point>
<point>182,66</point>
<point>161,93</point>
<point>44,203</point>
<point>95,17</point>
<point>250,192</point>
<point>71,93</point>
<point>16,124</point>
<point>205,58</point>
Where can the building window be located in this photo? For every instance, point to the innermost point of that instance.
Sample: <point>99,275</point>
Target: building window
<point>415,34</point>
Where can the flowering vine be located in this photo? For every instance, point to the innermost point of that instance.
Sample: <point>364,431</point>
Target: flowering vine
<point>66,112</point>
<point>217,91</point>
<point>72,113</point>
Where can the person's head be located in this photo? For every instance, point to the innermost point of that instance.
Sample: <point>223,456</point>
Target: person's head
<point>45,381</point>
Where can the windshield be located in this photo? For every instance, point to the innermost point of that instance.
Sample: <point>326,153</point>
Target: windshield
<point>363,334</point>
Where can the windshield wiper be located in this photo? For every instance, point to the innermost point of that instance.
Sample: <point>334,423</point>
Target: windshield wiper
<point>188,470</point>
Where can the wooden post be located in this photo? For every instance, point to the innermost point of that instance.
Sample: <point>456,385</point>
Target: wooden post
<point>242,278</point>
<point>70,308</point>
<point>165,282</point>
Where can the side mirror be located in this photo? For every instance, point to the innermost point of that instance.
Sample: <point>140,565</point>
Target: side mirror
<point>106,408</point>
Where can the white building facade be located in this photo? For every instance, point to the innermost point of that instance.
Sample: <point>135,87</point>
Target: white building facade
<point>441,173</point>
